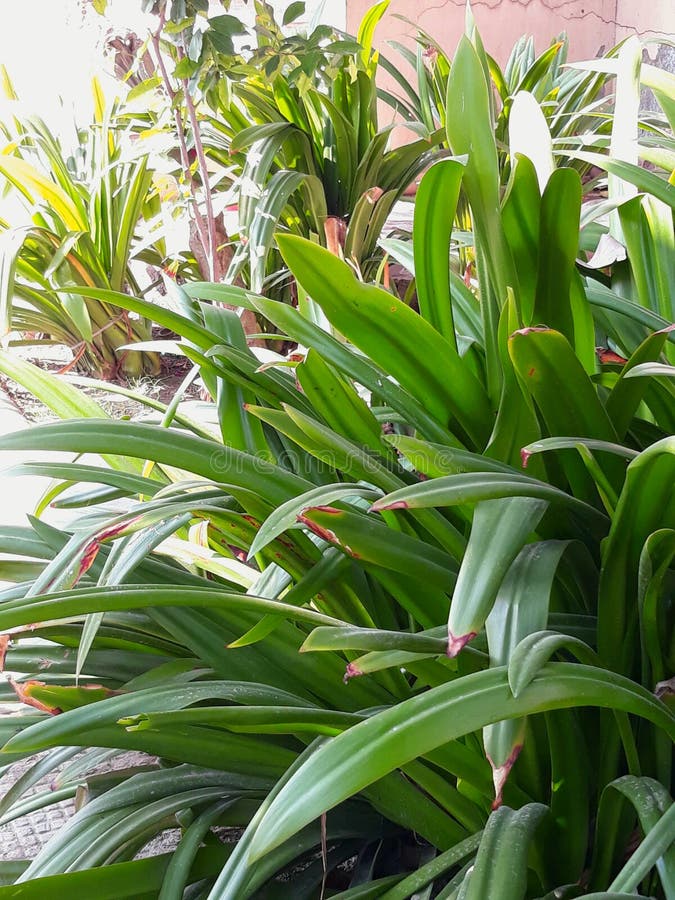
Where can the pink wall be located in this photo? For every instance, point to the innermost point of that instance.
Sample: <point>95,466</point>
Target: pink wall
<point>592,25</point>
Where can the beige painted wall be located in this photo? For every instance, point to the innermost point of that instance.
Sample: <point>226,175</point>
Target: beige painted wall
<point>592,25</point>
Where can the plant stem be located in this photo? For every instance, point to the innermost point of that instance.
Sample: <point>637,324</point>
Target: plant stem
<point>203,171</point>
<point>182,142</point>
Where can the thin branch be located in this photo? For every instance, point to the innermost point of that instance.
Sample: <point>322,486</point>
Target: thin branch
<point>204,237</point>
<point>203,171</point>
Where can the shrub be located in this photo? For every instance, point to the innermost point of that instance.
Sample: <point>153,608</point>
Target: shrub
<point>505,636</point>
<point>84,212</point>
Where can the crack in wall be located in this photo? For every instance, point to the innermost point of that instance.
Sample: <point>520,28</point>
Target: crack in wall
<point>552,6</point>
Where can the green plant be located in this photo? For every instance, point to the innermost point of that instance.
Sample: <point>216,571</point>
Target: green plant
<point>573,98</point>
<point>80,227</point>
<point>501,632</point>
<point>312,160</point>
<point>290,126</point>
<point>534,102</point>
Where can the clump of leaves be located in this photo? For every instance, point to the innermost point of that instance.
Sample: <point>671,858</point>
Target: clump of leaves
<point>354,623</point>
<point>285,125</point>
<point>81,229</point>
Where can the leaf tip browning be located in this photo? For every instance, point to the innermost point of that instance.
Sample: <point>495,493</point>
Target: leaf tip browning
<point>352,671</point>
<point>23,691</point>
<point>455,644</point>
<point>501,773</point>
<point>532,329</point>
<point>665,690</point>
<point>609,357</point>
<point>4,646</point>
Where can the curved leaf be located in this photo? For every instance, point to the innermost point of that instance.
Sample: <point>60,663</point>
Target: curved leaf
<point>164,445</point>
<point>451,490</point>
<point>435,207</point>
<point>499,530</point>
<point>286,515</point>
<point>366,752</point>
<point>385,328</point>
<point>500,867</point>
<point>536,649</point>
